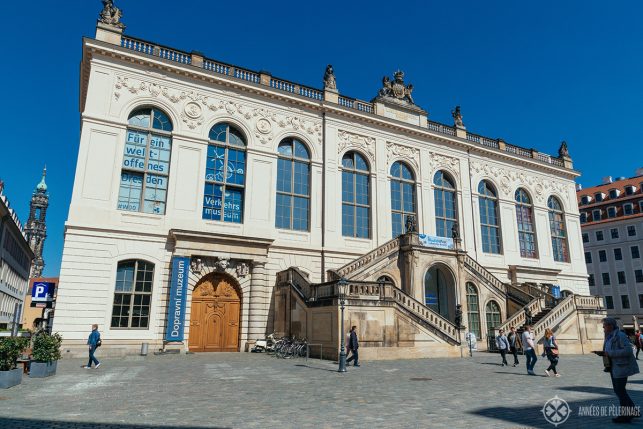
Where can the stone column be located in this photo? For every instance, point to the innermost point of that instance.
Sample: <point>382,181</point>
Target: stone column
<point>259,301</point>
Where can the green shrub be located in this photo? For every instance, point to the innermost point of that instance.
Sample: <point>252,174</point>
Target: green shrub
<point>46,347</point>
<point>10,349</point>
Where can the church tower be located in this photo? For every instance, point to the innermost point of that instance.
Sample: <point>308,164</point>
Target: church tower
<point>36,229</point>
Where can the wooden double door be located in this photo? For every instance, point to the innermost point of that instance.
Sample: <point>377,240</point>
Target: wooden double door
<point>214,316</point>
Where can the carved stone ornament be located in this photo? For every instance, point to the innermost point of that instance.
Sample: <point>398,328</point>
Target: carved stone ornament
<point>222,264</point>
<point>196,265</point>
<point>329,79</point>
<point>263,125</point>
<point>438,160</point>
<point>111,15</point>
<point>356,141</point>
<point>395,90</point>
<point>243,269</point>
<point>191,115</point>
<point>407,153</point>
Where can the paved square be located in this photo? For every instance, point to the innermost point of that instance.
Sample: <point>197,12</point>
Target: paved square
<point>243,390</point>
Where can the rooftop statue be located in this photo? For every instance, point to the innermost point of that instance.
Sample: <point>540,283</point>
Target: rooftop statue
<point>111,15</point>
<point>395,90</point>
<point>457,117</point>
<point>563,151</point>
<point>329,78</point>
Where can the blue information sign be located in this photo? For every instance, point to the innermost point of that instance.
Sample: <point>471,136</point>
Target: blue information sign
<point>176,305</point>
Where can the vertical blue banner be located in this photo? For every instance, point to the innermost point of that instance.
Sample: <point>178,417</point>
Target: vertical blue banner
<point>176,304</point>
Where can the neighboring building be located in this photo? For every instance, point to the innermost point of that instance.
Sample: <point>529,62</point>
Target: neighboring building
<point>39,315</point>
<point>220,179</point>
<point>612,224</point>
<point>15,264</point>
<point>36,227</point>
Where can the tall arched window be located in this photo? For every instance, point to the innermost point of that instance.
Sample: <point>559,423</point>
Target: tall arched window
<point>492,311</point>
<point>225,173</point>
<point>146,162</point>
<point>526,228</point>
<point>402,196</point>
<point>489,219</point>
<point>557,228</point>
<point>132,294</point>
<point>356,197</point>
<point>293,186</point>
<point>473,309</point>
<point>445,204</point>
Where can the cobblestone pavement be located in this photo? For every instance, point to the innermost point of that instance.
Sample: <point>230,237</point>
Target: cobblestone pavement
<point>259,391</point>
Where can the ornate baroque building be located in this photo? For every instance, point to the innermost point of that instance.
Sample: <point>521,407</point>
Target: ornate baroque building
<point>213,204</point>
<point>36,228</point>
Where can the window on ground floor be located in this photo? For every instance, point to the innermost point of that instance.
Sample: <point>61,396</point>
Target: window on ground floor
<point>132,294</point>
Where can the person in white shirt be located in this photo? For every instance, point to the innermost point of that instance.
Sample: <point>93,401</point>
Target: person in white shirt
<point>529,348</point>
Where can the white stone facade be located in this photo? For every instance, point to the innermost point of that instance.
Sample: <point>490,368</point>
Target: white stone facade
<point>116,81</point>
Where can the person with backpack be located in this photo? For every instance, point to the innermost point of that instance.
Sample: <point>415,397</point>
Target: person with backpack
<point>93,342</point>
<point>514,344</point>
<point>503,346</point>
<point>551,352</point>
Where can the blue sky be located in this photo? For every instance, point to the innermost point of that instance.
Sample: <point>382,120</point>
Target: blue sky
<point>533,74</point>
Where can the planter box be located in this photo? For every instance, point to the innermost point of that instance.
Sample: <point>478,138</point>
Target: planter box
<point>42,369</point>
<point>10,378</point>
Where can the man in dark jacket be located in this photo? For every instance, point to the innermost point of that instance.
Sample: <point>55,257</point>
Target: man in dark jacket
<point>93,342</point>
<point>353,345</point>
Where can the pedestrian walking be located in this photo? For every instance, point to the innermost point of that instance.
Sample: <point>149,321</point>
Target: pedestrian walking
<point>529,348</point>
<point>353,345</point>
<point>551,352</point>
<point>514,343</point>
<point>621,363</point>
<point>93,342</point>
<point>637,343</point>
<point>503,346</point>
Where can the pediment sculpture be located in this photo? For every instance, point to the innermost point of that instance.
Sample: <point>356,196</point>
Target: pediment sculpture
<point>396,90</point>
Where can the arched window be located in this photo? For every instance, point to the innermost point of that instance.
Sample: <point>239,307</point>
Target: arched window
<point>445,204</point>
<point>356,199</point>
<point>146,162</point>
<point>402,196</point>
<point>473,309</point>
<point>293,186</point>
<point>386,279</point>
<point>439,292</point>
<point>489,219</point>
<point>492,311</point>
<point>132,294</point>
<point>558,232</point>
<point>225,174</point>
<point>525,220</point>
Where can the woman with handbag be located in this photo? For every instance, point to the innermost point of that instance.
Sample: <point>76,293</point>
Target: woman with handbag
<point>551,351</point>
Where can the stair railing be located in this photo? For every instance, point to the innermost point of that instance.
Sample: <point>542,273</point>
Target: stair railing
<point>555,316</point>
<point>380,252</point>
<point>535,306</point>
<point>484,274</point>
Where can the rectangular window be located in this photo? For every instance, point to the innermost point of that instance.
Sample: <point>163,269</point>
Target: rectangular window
<point>635,252</point>
<point>621,277</point>
<point>625,302</point>
<point>628,209</point>
<point>599,235</point>
<point>614,232</point>
<point>591,280</point>
<point>588,257</point>
<point>602,256</point>
<point>132,295</point>
<point>609,302</point>
<point>611,212</point>
<point>631,230</point>
<point>596,215</point>
<point>585,237</point>
<point>640,300</point>
<point>639,276</point>
<point>606,279</point>
<point>618,255</point>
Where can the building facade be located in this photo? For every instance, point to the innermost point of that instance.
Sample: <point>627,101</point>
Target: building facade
<point>612,224</point>
<point>228,177</point>
<point>15,264</point>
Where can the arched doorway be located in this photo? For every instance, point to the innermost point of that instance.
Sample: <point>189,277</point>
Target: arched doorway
<point>214,316</point>
<point>439,292</point>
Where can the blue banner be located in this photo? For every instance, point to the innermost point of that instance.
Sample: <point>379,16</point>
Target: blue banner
<point>176,304</point>
<point>437,242</point>
<point>555,290</point>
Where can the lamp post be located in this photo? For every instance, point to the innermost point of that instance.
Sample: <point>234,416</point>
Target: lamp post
<point>342,285</point>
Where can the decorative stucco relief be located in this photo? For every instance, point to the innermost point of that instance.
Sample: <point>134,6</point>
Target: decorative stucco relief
<point>192,113</point>
<point>410,154</point>
<point>438,160</point>
<point>509,179</point>
<point>356,141</point>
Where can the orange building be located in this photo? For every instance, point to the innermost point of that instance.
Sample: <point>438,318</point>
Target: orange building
<point>33,316</point>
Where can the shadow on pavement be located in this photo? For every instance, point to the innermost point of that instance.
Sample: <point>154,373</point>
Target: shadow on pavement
<point>13,423</point>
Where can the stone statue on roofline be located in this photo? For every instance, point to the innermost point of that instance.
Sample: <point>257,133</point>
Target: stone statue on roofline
<point>563,152</point>
<point>329,78</point>
<point>411,224</point>
<point>111,15</point>
<point>457,117</point>
<point>396,90</point>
